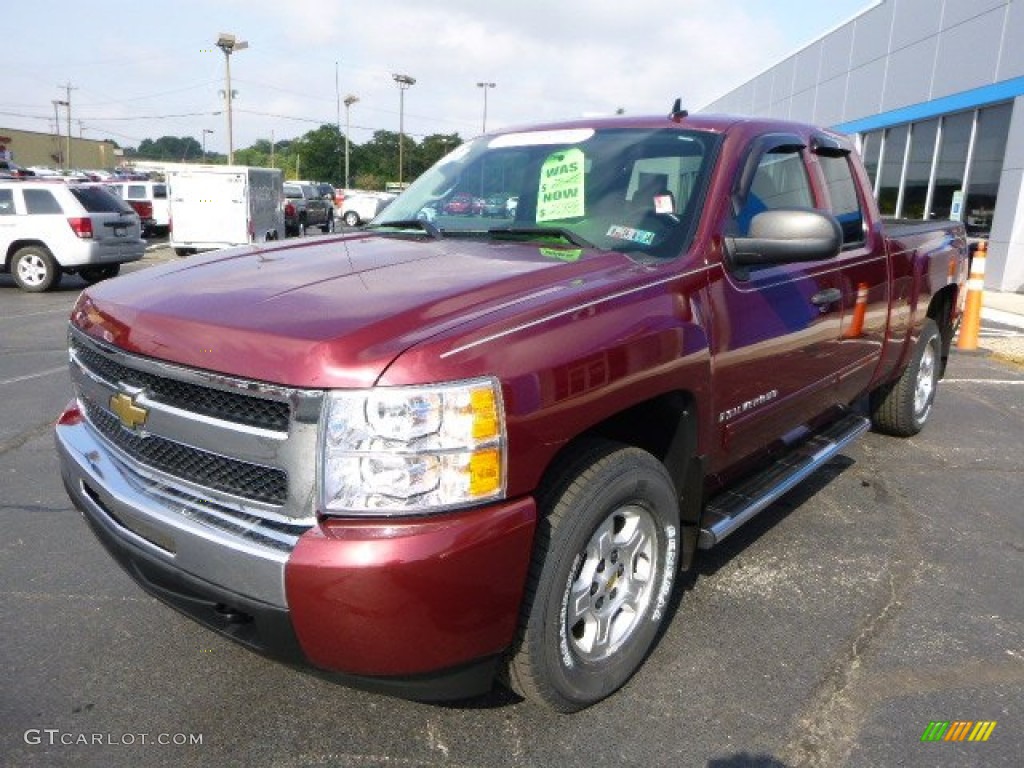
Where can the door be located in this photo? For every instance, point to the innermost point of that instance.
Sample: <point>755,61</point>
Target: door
<point>864,274</point>
<point>775,328</point>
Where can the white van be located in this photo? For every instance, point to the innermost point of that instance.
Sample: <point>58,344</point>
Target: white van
<point>218,206</point>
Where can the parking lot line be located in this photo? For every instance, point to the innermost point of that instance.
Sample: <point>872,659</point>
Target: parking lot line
<point>983,381</point>
<point>47,372</point>
<point>64,311</point>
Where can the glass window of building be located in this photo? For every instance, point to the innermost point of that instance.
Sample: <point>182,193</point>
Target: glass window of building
<point>949,173</point>
<point>871,145</point>
<point>919,169</point>
<point>892,169</point>
<point>842,195</point>
<point>986,167</point>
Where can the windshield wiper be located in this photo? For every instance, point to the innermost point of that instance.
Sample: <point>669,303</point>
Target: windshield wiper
<point>565,234</point>
<point>427,226</point>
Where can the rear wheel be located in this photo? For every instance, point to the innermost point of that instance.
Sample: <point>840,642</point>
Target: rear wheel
<point>601,576</point>
<point>352,219</point>
<point>902,407</point>
<point>35,270</point>
<point>95,274</point>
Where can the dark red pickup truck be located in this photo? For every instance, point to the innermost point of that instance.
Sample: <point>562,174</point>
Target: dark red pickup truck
<point>446,449</point>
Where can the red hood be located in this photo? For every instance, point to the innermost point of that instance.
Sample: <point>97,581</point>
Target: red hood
<point>332,313</point>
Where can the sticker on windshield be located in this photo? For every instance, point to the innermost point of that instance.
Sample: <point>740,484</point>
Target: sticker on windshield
<point>560,195</point>
<point>562,254</point>
<point>641,236</point>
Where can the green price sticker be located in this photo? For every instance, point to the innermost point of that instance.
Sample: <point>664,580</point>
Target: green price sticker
<point>560,195</point>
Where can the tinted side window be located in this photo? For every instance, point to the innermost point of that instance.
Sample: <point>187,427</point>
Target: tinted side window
<point>41,201</point>
<point>159,191</point>
<point>842,192</point>
<point>780,181</point>
<point>136,192</point>
<point>98,200</point>
<point>6,202</point>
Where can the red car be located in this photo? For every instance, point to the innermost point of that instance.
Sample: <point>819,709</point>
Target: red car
<point>460,204</point>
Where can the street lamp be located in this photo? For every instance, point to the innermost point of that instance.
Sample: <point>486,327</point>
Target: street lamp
<point>403,81</point>
<point>229,45</point>
<point>486,87</point>
<point>205,131</point>
<point>349,101</point>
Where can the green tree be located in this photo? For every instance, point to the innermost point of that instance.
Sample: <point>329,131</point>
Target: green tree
<point>181,149</point>
<point>431,149</point>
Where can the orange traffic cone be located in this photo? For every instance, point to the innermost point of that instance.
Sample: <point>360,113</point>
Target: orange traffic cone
<point>970,325</point>
<point>856,328</point>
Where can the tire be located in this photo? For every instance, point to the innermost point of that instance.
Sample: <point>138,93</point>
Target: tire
<point>351,219</point>
<point>35,270</point>
<point>328,225</point>
<point>183,252</point>
<point>902,407</point>
<point>93,275</point>
<point>601,576</point>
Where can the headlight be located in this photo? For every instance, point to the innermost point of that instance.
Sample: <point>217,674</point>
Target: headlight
<point>412,450</point>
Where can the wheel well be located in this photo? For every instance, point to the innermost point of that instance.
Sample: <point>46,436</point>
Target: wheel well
<point>666,427</point>
<point>17,246</point>
<point>940,309</point>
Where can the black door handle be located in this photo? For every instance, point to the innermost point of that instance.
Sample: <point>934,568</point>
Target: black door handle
<point>827,296</point>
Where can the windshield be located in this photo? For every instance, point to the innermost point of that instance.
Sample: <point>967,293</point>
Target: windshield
<point>623,189</point>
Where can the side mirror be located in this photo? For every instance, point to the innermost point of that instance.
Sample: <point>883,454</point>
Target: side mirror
<point>786,235</point>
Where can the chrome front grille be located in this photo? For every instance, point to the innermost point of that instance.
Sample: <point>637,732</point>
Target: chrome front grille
<point>239,478</point>
<point>229,406</point>
<point>231,454</point>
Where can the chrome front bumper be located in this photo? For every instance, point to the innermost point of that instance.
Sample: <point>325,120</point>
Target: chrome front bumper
<point>142,523</point>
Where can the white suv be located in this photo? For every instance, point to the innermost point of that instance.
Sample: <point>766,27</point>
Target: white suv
<point>50,228</point>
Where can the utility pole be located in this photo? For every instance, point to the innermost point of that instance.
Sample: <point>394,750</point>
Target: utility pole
<point>403,81</point>
<point>56,128</point>
<point>67,103</point>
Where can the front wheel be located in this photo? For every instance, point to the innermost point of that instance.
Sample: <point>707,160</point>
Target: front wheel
<point>601,576</point>
<point>328,225</point>
<point>351,219</point>
<point>902,407</point>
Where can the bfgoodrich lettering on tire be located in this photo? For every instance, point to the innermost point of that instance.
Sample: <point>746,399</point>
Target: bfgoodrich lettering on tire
<point>601,577</point>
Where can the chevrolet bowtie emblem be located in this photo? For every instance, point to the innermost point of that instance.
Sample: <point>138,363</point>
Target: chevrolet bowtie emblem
<point>132,416</point>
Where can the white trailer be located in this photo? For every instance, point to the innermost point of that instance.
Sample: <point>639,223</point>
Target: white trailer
<point>217,206</point>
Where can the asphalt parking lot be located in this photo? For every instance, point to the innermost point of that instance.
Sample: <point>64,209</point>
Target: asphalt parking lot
<point>884,595</point>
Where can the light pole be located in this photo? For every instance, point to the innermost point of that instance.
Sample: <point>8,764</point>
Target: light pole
<point>229,45</point>
<point>404,81</point>
<point>349,101</point>
<point>486,87</point>
<point>205,131</point>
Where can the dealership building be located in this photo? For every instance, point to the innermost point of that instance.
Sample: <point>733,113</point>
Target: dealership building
<point>933,92</point>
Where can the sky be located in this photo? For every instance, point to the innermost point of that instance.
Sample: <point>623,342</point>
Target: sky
<point>147,69</point>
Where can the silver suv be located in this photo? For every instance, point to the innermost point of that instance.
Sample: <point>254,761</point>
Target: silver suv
<point>51,228</point>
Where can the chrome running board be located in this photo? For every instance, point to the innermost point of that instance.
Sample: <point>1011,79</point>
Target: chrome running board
<point>732,508</point>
